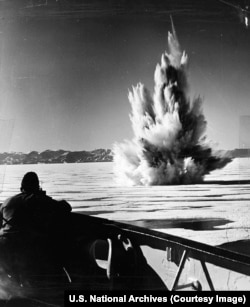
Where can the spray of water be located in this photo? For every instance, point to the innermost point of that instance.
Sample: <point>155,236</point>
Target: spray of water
<point>169,144</point>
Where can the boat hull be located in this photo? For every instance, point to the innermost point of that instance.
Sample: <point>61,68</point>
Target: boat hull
<point>91,253</point>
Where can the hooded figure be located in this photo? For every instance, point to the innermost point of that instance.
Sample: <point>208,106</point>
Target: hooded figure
<point>31,211</point>
<point>33,231</point>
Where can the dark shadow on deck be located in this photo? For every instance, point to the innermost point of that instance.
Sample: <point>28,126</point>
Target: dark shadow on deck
<point>240,246</point>
<point>226,182</point>
<point>193,224</point>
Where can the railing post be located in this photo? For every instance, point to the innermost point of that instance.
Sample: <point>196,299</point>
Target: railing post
<point>209,280</point>
<point>180,268</point>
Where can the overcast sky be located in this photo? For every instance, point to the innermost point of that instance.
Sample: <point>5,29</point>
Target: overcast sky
<point>66,68</point>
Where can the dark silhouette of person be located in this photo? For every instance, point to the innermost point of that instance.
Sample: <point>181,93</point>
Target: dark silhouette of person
<point>33,227</point>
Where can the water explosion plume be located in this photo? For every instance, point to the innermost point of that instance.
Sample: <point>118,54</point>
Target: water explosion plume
<point>169,144</point>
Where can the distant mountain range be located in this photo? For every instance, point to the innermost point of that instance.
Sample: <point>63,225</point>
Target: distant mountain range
<point>66,156</point>
<point>57,156</point>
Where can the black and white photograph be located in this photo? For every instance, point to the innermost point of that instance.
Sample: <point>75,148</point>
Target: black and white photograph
<point>124,151</point>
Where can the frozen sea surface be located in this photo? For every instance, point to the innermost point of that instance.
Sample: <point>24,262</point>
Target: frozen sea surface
<point>215,212</point>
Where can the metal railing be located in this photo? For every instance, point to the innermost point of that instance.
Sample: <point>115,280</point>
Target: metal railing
<point>204,253</point>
